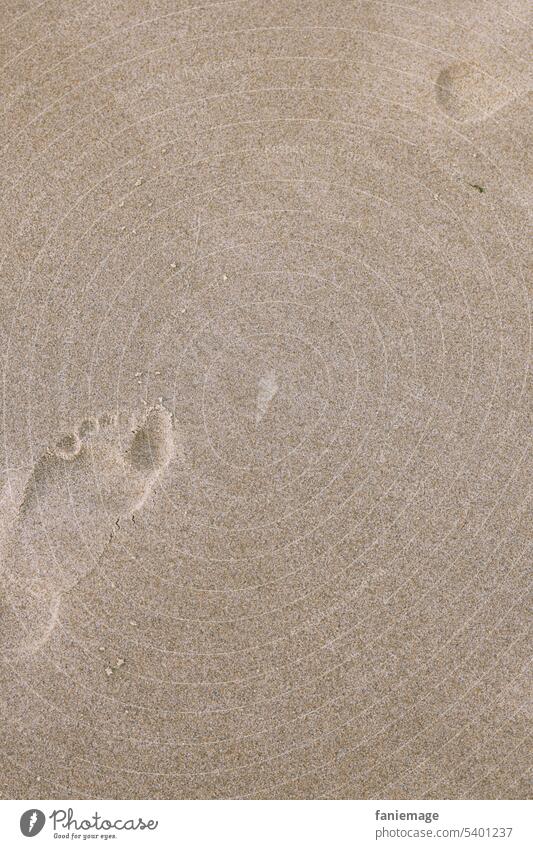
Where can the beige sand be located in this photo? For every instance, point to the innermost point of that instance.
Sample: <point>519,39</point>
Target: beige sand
<point>266,407</point>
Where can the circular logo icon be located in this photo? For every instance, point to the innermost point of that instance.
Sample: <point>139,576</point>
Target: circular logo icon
<point>32,822</point>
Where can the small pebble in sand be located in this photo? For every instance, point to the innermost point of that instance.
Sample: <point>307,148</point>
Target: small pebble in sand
<point>224,276</point>
<point>120,662</point>
<point>101,648</point>
<point>133,623</point>
<point>108,671</point>
<point>121,204</point>
<point>139,182</point>
<point>173,265</point>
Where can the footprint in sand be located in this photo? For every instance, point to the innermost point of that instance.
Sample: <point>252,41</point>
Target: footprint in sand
<point>466,93</point>
<point>75,495</point>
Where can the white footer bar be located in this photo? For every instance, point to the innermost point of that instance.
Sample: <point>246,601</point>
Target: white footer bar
<point>268,825</point>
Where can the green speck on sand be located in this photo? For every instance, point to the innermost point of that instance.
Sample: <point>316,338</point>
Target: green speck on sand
<point>478,187</point>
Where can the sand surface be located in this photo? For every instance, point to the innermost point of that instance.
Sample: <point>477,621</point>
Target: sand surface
<point>265,468</point>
